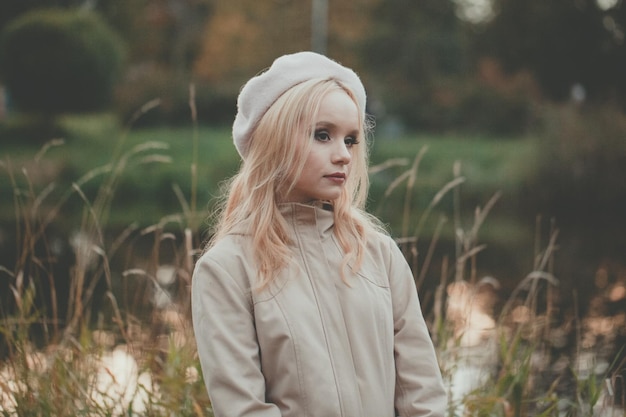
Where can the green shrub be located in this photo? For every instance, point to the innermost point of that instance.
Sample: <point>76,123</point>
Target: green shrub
<point>582,163</point>
<point>215,105</point>
<point>487,110</point>
<point>579,181</point>
<point>20,128</point>
<point>464,105</point>
<point>56,61</point>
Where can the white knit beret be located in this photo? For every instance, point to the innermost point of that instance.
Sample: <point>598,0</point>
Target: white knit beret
<point>261,91</point>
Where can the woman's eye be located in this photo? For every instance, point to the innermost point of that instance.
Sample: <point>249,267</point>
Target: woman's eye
<point>350,141</point>
<point>322,135</point>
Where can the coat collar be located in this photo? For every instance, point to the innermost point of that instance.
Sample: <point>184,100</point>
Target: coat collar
<point>300,217</point>
<point>317,215</point>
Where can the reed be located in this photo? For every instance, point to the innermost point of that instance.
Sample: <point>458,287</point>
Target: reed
<point>501,355</point>
<point>122,344</point>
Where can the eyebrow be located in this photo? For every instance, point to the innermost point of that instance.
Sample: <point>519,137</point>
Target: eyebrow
<point>331,125</point>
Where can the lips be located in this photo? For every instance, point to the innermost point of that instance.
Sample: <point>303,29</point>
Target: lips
<point>336,175</point>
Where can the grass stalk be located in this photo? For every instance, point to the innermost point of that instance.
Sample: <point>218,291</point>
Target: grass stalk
<point>74,367</point>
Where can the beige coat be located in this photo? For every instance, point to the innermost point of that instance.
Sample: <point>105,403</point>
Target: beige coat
<point>310,345</point>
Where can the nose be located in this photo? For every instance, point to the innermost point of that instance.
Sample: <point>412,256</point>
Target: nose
<point>342,154</point>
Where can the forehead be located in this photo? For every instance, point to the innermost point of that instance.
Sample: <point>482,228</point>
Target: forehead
<point>337,107</point>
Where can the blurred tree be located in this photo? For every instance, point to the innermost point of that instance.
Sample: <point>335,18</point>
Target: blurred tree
<point>414,51</point>
<point>164,32</point>
<point>571,46</point>
<point>55,61</point>
<point>10,9</point>
<point>242,37</point>
<point>578,180</point>
<point>164,39</point>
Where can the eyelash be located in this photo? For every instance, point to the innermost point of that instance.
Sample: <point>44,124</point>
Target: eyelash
<point>323,135</point>
<point>351,141</point>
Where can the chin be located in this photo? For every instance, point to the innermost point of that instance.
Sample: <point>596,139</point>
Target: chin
<point>329,197</point>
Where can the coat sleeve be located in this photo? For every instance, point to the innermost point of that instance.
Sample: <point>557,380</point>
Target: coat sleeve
<point>419,385</point>
<point>223,322</point>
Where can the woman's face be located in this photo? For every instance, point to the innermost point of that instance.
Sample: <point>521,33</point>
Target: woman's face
<point>327,165</point>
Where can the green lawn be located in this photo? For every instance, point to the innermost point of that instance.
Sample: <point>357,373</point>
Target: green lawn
<point>157,179</point>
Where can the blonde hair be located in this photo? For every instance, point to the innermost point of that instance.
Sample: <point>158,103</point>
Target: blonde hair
<point>271,169</point>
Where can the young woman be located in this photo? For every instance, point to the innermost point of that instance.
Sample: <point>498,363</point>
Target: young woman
<point>302,305</point>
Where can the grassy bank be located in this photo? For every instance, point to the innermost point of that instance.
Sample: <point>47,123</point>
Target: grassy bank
<point>488,165</point>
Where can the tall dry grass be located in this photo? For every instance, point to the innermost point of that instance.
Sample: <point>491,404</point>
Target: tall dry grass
<point>517,354</point>
<point>122,345</point>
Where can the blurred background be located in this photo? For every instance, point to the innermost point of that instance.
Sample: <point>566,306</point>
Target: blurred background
<point>520,98</point>
<point>498,162</point>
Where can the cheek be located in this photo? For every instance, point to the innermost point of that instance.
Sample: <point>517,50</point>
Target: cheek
<point>308,163</point>
<point>357,160</point>
<point>355,155</point>
<point>315,157</point>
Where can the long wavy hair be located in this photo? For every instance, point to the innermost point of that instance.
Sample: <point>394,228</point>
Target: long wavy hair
<point>278,150</point>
